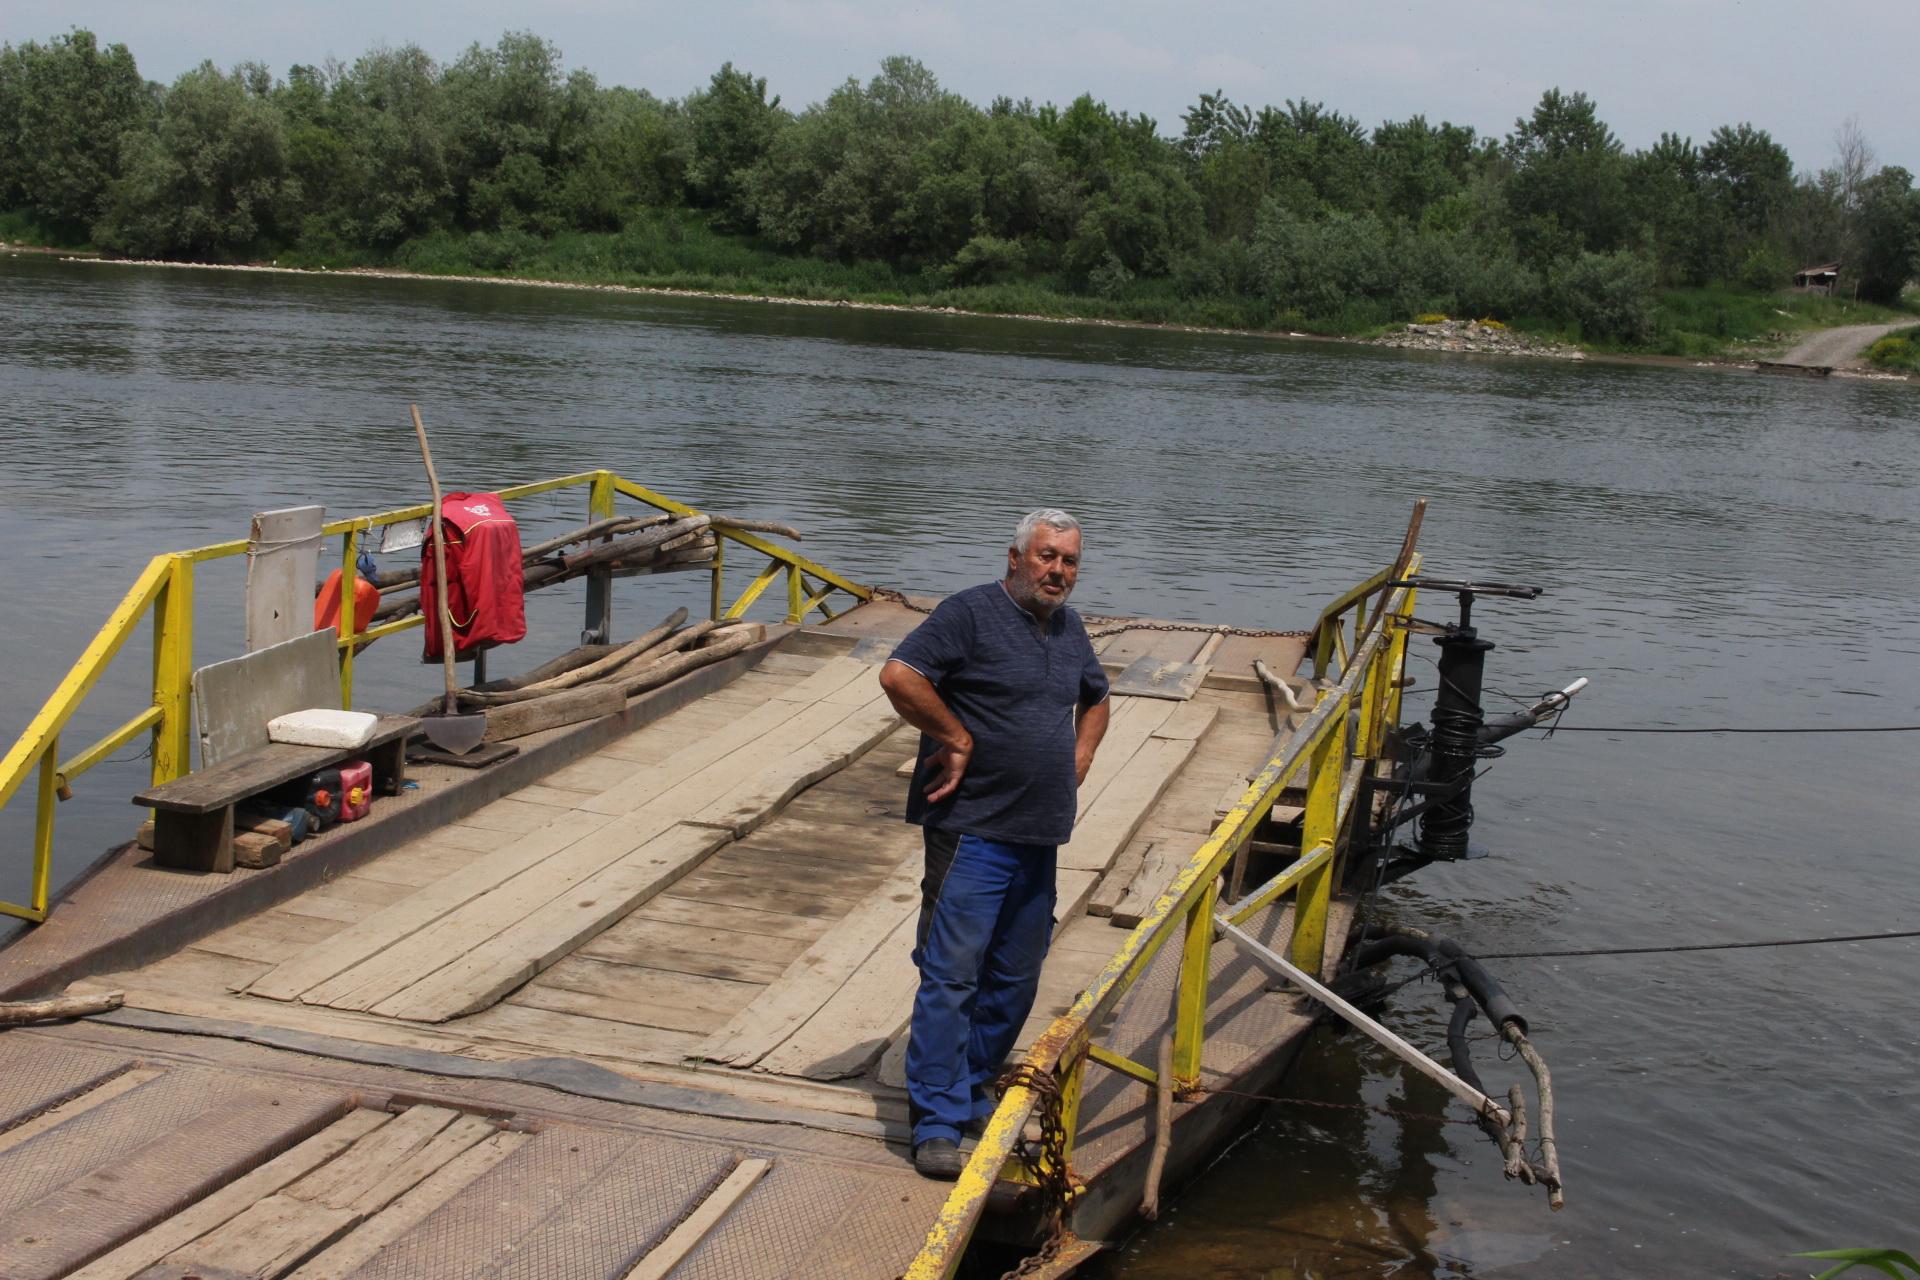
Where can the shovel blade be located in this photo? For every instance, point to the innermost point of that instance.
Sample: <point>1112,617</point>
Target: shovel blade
<point>456,735</point>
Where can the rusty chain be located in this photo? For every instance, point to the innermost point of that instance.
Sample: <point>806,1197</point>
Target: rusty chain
<point>1119,625</point>
<point>1045,1157</point>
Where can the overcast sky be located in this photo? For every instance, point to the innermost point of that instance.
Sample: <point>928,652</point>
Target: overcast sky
<point>1686,66</point>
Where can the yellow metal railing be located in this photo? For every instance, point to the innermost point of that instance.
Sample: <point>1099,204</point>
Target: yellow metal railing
<point>164,589</point>
<point>1340,739</point>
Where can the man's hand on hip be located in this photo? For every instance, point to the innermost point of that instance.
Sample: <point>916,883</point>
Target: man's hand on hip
<point>949,765</point>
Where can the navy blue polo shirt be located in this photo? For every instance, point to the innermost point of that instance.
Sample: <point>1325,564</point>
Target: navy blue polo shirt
<point>1015,683</point>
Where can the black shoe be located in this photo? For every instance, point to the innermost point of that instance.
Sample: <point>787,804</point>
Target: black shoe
<point>975,1128</point>
<point>938,1158</point>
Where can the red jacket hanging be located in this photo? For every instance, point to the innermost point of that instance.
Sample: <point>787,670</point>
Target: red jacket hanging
<point>484,578</point>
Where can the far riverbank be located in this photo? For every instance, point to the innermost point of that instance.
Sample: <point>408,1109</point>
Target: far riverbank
<point>1489,340</point>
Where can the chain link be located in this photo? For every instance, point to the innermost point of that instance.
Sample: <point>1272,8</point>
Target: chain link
<point>1119,625</point>
<point>1046,1158</point>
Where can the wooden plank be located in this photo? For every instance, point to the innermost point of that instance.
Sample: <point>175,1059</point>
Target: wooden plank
<point>1188,722</point>
<point>702,950</point>
<point>268,1239</point>
<point>142,994</point>
<point>536,715</point>
<point>515,817</point>
<point>853,1027</point>
<point>212,1211</point>
<point>833,675</point>
<point>579,1037</point>
<point>1162,863</point>
<point>1134,721</point>
<point>1112,886</point>
<point>685,1238</point>
<point>712,888</point>
<point>417,912</point>
<point>1105,828</point>
<point>343,1182</point>
<point>459,931</point>
<point>677,909</point>
<point>402,1175</point>
<point>349,1255</point>
<point>552,796</point>
<point>786,1005</point>
<point>697,755</point>
<point>415,865</point>
<point>510,957</point>
<point>623,993</point>
<point>270,937</point>
<point>602,772</point>
<point>760,796</point>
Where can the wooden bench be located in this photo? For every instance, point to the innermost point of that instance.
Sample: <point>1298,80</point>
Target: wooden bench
<point>193,816</point>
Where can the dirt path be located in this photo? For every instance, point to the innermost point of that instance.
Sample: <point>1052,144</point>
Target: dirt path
<point>1839,348</point>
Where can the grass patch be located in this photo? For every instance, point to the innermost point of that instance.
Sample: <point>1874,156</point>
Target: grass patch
<point>1718,321</point>
<point>1898,352</point>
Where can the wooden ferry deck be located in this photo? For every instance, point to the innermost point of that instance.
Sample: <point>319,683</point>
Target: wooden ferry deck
<point>641,1016</point>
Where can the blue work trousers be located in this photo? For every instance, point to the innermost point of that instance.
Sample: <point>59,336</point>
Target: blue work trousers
<point>986,917</point>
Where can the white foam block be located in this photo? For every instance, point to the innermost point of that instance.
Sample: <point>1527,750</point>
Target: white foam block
<point>323,727</point>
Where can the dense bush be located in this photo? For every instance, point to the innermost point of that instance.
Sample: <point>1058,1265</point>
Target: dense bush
<point>506,160</point>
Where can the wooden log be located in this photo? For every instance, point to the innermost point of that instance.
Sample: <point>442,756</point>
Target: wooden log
<point>255,851</point>
<point>645,643</point>
<point>649,539</point>
<point>578,656</point>
<point>672,668</point>
<point>569,706</point>
<point>758,526</point>
<point>20,1013</point>
<point>688,550</point>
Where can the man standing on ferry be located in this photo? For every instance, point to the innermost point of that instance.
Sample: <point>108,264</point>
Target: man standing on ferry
<point>1011,703</point>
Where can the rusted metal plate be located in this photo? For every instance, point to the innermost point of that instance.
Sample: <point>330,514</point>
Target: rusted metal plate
<point>1154,678</point>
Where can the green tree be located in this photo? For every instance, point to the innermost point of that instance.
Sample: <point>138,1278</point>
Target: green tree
<point>1417,165</point>
<point>1748,175</point>
<point>1889,235</point>
<point>388,112</point>
<point>211,182</point>
<point>64,107</point>
<point>513,123</point>
<point>732,126</point>
<point>1567,179</point>
<point>860,175</point>
<point>1319,158</point>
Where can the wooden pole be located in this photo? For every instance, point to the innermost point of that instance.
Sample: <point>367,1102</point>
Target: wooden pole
<point>20,1013</point>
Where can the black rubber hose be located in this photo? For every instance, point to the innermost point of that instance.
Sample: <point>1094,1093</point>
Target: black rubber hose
<point>1457,1047</point>
<point>1446,957</point>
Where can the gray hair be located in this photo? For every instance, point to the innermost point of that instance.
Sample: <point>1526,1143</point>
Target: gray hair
<point>1052,517</point>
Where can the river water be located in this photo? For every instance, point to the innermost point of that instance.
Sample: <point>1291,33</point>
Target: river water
<point>1716,549</point>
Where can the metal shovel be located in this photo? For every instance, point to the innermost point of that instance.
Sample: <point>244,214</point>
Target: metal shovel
<point>451,732</point>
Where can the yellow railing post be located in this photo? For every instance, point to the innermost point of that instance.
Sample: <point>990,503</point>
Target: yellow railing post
<point>173,673</point>
<point>1190,1009</point>
<point>598,628</point>
<point>45,804</point>
<point>1397,658</point>
<point>719,577</point>
<point>349,624</point>
<point>794,594</point>
<point>1320,826</point>
<point>1071,1084</point>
